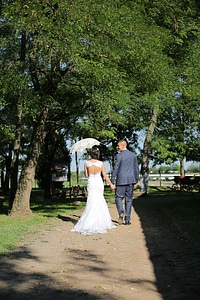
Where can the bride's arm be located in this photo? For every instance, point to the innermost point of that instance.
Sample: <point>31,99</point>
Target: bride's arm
<point>103,170</point>
<point>85,171</point>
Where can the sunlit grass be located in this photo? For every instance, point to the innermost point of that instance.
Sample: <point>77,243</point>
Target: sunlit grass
<point>186,210</point>
<point>14,229</point>
<point>109,195</point>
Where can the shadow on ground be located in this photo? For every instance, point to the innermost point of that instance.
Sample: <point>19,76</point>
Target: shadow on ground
<point>22,286</point>
<point>175,257</point>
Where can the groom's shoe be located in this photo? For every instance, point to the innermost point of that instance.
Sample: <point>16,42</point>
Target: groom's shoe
<point>121,219</point>
<point>128,223</point>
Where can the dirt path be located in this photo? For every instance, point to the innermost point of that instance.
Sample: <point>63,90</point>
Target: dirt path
<point>142,261</point>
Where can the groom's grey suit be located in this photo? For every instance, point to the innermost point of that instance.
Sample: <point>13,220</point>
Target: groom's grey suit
<point>125,174</point>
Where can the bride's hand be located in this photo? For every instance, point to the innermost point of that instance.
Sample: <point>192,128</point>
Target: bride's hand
<point>113,187</point>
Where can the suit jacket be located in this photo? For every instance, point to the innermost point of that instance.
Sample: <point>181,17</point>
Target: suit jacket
<point>126,170</point>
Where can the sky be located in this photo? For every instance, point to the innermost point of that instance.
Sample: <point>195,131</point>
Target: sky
<point>141,137</point>
<point>81,161</point>
<point>107,165</point>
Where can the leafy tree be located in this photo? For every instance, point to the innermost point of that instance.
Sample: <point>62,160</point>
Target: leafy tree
<point>178,130</point>
<point>181,22</point>
<point>91,68</point>
<point>43,69</point>
<point>47,72</point>
<point>53,152</point>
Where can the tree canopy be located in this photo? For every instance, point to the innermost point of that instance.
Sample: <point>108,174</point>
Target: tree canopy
<point>103,69</point>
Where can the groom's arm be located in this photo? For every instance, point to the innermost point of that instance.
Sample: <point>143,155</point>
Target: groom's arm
<point>136,169</point>
<point>116,168</point>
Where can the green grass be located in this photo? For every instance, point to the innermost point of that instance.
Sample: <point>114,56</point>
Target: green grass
<point>186,214</point>
<point>14,229</point>
<point>109,195</point>
<point>185,210</point>
<point>51,208</point>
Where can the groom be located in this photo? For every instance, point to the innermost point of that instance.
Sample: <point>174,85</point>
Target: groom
<point>125,177</point>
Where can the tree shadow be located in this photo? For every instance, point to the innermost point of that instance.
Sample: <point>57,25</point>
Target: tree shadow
<point>175,259</point>
<point>15,285</point>
<point>56,283</point>
<point>73,219</point>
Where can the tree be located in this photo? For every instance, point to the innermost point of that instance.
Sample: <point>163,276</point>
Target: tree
<point>181,22</point>
<point>53,152</point>
<point>48,72</point>
<point>103,71</point>
<point>178,131</point>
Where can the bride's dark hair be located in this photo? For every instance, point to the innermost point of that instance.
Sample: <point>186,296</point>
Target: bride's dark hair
<point>95,152</point>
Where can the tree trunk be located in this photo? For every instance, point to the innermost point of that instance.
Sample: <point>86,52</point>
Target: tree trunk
<point>49,158</point>
<point>182,169</point>
<point>48,190</point>
<point>17,141</point>
<point>77,168</point>
<point>2,179</point>
<point>144,181</point>
<point>16,147</point>
<point>14,177</point>
<point>21,203</point>
<point>8,160</point>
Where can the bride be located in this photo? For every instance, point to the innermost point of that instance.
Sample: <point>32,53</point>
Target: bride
<point>96,217</point>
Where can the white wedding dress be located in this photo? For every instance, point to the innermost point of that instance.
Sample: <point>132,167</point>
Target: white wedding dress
<point>96,217</point>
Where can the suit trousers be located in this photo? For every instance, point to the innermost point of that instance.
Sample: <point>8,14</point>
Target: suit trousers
<point>124,191</point>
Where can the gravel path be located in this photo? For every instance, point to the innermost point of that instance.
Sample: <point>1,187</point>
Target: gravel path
<point>148,260</point>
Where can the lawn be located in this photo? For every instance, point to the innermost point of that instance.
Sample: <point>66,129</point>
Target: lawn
<point>185,209</point>
<point>14,229</point>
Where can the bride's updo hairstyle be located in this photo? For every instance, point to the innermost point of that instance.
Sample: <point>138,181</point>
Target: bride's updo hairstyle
<point>95,152</point>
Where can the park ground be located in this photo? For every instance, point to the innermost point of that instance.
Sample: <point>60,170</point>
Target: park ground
<point>154,258</point>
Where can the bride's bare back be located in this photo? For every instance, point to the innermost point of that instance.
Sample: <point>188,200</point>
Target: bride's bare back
<point>93,167</point>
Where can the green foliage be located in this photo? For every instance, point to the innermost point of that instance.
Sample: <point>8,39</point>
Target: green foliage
<point>194,168</point>
<point>174,168</point>
<point>177,131</point>
<point>169,169</point>
<point>101,67</point>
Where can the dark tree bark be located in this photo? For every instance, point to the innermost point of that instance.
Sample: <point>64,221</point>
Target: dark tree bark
<point>21,203</point>
<point>77,168</point>
<point>144,182</point>
<point>49,157</point>
<point>8,159</point>
<point>182,167</point>
<point>16,148</point>
<point>17,140</point>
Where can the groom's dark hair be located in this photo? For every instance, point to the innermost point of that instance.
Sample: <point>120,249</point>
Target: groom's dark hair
<point>95,152</point>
